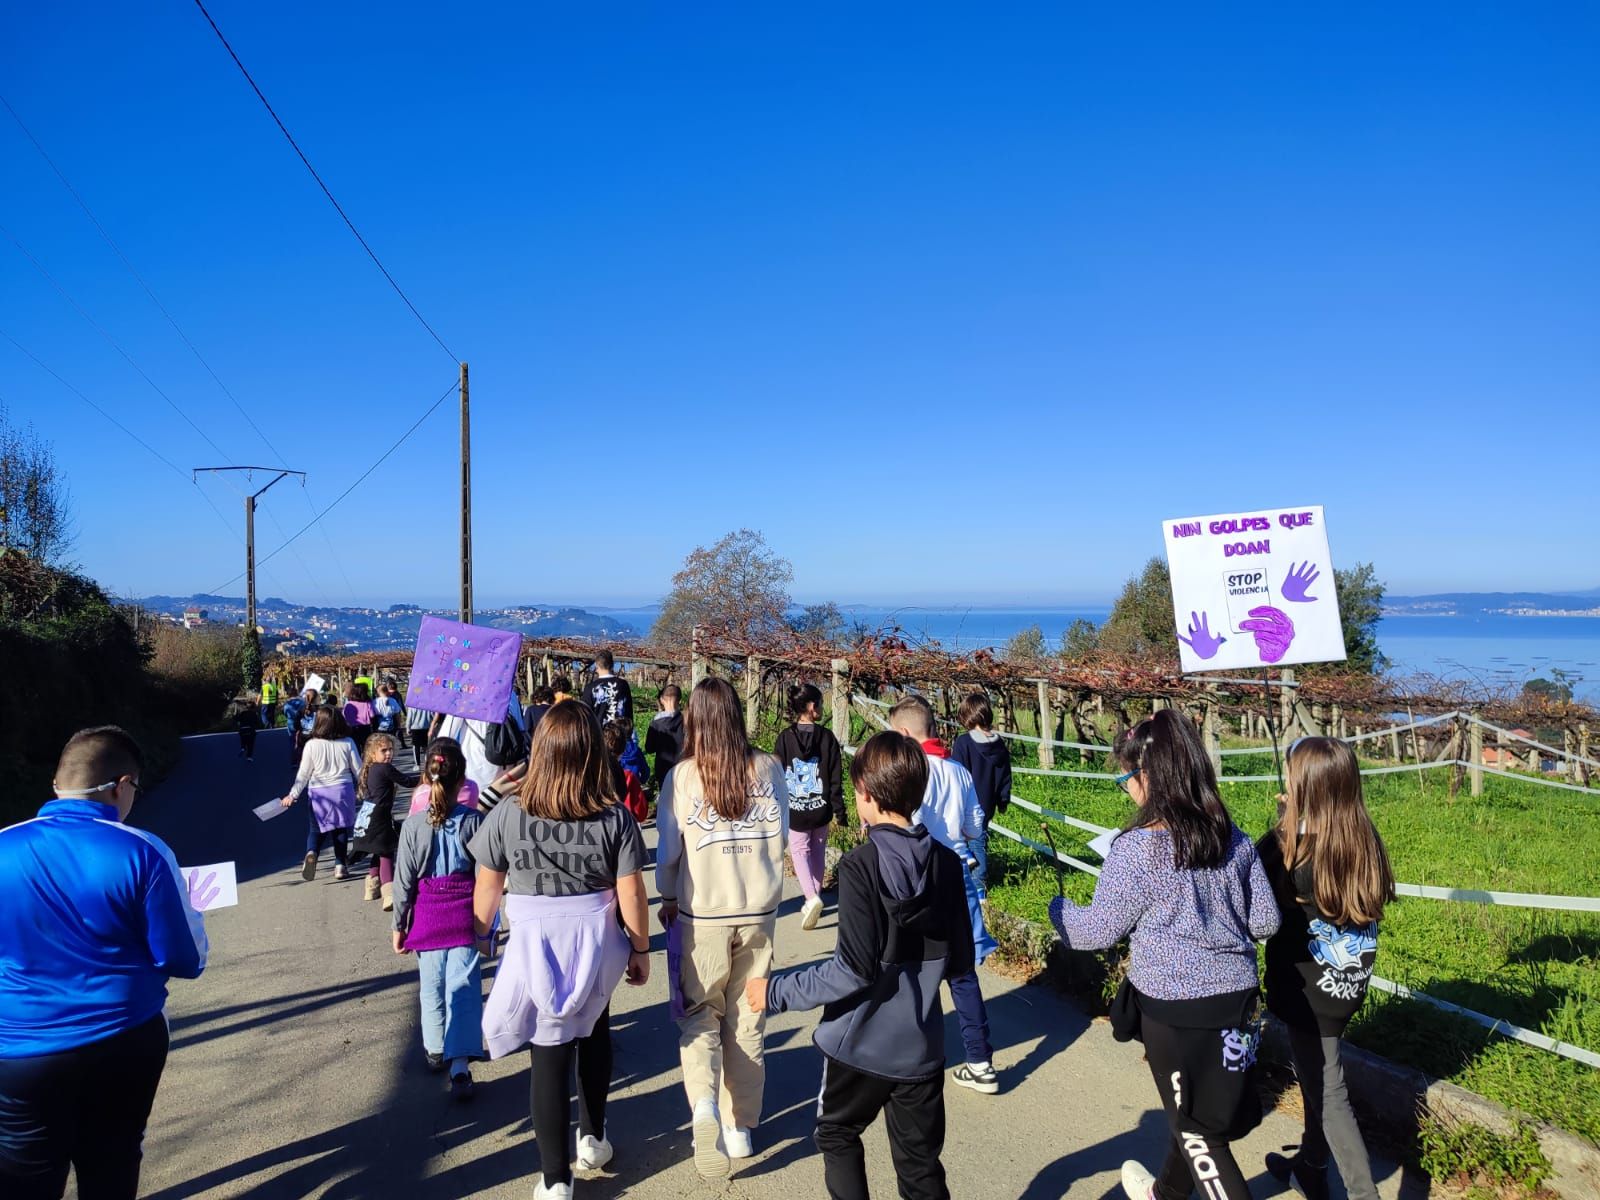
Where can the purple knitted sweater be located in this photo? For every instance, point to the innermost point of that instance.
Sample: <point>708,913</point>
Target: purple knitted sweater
<point>1190,933</point>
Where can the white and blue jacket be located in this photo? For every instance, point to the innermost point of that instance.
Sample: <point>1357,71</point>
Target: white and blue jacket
<point>94,919</point>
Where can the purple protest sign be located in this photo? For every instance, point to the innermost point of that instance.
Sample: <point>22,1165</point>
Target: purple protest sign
<point>463,670</point>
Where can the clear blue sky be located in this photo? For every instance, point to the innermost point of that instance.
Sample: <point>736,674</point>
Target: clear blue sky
<point>952,304</point>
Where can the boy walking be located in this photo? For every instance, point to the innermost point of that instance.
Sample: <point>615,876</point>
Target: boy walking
<point>608,693</point>
<point>951,812</point>
<point>902,928</point>
<point>664,738</point>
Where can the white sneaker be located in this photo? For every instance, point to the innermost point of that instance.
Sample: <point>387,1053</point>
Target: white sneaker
<point>593,1152</point>
<point>710,1155</point>
<point>737,1141</point>
<point>1137,1182</point>
<point>560,1191</point>
<point>809,912</point>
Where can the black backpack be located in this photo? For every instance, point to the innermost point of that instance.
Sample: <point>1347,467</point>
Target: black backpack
<point>506,744</point>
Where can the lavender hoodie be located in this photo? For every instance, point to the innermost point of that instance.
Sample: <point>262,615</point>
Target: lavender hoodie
<point>1190,933</point>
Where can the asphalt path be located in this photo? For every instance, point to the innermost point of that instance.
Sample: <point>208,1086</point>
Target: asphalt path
<point>296,1067</point>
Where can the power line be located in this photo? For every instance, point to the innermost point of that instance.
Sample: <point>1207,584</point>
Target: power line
<point>337,207</point>
<point>115,345</point>
<point>134,271</point>
<point>184,337</point>
<point>362,478</point>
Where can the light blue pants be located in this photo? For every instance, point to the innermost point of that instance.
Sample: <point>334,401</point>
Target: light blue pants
<point>452,1002</point>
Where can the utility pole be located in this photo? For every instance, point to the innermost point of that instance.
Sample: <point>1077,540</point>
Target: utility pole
<point>466,502</point>
<point>250,533</point>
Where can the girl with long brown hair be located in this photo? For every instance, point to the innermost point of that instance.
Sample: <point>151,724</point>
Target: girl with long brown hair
<point>1332,878</point>
<point>723,819</point>
<point>433,896</point>
<point>568,861</point>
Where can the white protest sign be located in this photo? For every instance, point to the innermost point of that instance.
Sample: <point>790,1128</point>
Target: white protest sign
<point>1253,590</point>
<point>272,808</point>
<point>215,885</point>
<point>314,683</point>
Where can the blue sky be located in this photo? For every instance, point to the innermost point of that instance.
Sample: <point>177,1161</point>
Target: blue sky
<point>953,305</point>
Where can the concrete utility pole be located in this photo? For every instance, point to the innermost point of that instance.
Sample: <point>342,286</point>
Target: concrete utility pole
<point>466,502</point>
<point>250,532</point>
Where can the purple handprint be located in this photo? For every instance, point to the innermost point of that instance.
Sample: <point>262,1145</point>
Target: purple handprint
<point>202,891</point>
<point>1201,640</point>
<point>1298,581</point>
<point>1273,632</point>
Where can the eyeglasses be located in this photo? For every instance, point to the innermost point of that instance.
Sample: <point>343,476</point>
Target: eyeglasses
<point>107,787</point>
<point>1122,780</point>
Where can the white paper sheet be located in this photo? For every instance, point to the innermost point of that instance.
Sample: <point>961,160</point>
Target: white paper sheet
<point>215,885</point>
<point>314,682</point>
<point>272,808</point>
<point>1101,844</point>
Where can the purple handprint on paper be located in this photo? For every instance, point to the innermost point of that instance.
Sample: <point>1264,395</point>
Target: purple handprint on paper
<point>202,891</point>
<point>1273,632</point>
<point>1298,581</point>
<point>1201,640</point>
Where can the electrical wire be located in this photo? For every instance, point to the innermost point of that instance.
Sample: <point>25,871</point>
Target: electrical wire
<point>115,345</point>
<point>134,271</point>
<point>360,479</point>
<point>337,207</point>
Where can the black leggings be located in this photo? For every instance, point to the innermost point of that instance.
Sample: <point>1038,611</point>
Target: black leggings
<point>552,1096</point>
<point>1201,1094</point>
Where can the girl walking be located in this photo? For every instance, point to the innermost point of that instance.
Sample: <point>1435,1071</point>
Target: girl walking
<point>813,771</point>
<point>376,832</point>
<point>433,889</point>
<point>723,819</point>
<point>568,861</point>
<point>358,713</point>
<point>1187,890</point>
<point>1332,879</point>
<point>329,766</point>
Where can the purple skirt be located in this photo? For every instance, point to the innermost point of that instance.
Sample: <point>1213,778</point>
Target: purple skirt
<point>441,919</point>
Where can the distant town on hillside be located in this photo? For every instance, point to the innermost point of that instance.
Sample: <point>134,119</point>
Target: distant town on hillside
<point>312,629</point>
<point>1498,604</point>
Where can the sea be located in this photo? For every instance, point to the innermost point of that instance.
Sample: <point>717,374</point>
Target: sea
<point>1498,650</point>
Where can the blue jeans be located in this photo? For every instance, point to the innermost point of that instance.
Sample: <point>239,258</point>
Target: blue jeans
<point>452,1002</point>
<point>316,839</point>
<point>967,1000</point>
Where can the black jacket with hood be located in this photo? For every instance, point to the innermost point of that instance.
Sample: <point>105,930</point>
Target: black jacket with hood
<point>814,770</point>
<point>903,927</point>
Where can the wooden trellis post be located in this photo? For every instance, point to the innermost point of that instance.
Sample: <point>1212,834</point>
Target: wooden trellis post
<point>1047,728</point>
<point>697,662</point>
<point>1476,753</point>
<point>752,693</point>
<point>841,700</point>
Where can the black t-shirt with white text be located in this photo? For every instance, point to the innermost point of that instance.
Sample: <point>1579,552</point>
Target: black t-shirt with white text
<point>611,698</point>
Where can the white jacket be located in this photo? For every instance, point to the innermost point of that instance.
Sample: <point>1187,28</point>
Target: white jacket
<point>950,810</point>
<point>326,763</point>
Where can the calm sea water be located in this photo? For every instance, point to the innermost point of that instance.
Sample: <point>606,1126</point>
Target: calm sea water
<point>1496,649</point>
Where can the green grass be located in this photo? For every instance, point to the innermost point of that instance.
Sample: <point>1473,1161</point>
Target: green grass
<point>1535,968</point>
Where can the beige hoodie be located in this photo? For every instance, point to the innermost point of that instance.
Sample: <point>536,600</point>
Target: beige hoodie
<point>722,872</point>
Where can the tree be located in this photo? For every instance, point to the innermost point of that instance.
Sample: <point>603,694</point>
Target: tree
<point>1080,640</point>
<point>33,496</point>
<point>737,588</point>
<point>1360,607</point>
<point>822,621</point>
<point>1552,691</point>
<point>1025,646</point>
<point>1140,624</point>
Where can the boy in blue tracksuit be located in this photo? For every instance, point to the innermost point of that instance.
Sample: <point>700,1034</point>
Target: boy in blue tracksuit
<point>903,927</point>
<point>94,919</point>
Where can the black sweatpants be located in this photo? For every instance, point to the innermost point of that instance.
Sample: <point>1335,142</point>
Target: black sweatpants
<point>1206,1089</point>
<point>551,1089</point>
<point>84,1108</point>
<point>913,1114</point>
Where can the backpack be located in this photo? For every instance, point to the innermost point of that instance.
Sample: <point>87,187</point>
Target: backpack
<point>506,744</point>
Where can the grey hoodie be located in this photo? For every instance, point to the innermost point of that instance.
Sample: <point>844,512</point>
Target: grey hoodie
<point>903,927</point>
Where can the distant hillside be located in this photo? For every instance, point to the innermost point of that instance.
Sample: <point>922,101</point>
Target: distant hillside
<point>305,627</point>
<point>1474,604</point>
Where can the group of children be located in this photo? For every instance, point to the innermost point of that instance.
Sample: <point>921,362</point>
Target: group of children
<point>563,860</point>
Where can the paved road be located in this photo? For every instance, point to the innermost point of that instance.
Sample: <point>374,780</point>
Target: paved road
<point>296,1065</point>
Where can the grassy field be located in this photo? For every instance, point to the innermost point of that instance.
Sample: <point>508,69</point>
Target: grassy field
<point>1535,968</point>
